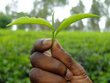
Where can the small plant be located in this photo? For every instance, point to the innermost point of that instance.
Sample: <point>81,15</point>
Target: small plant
<point>68,21</point>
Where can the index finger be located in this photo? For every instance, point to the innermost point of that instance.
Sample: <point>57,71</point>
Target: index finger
<point>41,45</point>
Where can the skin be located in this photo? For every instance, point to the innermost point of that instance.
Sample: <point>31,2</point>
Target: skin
<point>51,64</point>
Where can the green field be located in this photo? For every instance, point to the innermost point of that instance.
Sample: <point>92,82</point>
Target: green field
<point>91,49</point>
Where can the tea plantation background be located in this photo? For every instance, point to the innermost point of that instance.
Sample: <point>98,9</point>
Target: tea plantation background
<point>91,49</point>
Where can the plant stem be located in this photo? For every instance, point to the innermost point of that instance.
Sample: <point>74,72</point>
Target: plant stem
<point>53,32</point>
<point>53,38</point>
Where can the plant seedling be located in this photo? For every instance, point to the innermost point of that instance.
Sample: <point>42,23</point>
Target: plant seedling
<point>55,31</point>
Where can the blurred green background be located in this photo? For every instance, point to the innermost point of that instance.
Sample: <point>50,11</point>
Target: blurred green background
<point>88,41</point>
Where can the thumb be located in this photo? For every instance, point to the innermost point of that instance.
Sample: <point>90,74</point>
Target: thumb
<point>79,74</point>
<point>59,53</point>
<point>64,57</point>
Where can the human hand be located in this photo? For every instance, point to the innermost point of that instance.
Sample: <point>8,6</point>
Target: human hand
<point>54,65</point>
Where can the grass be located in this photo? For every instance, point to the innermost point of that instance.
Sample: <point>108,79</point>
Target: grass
<point>91,49</point>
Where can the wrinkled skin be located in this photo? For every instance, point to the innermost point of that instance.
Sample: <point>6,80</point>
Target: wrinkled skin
<point>51,64</point>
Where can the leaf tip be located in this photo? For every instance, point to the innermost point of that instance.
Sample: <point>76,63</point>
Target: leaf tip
<point>95,15</point>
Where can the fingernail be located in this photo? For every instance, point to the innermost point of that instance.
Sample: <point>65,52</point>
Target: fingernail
<point>56,45</point>
<point>46,41</point>
<point>69,75</point>
<point>47,53</point>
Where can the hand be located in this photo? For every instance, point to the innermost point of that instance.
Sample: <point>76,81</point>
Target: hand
<point>54,65</point>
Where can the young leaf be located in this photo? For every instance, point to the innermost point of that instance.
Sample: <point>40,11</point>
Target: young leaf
<point>32,20</point>
<point>73,19</point>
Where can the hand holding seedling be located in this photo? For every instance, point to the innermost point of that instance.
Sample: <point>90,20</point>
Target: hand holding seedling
<point>59,67</point>
<point>55,66</point>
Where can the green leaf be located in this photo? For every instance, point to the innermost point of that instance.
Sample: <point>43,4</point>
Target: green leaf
<point>31,20</point>
<point>73,19</point>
